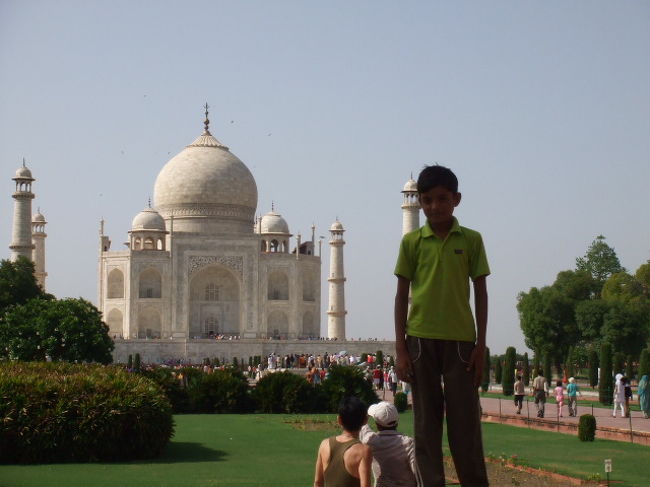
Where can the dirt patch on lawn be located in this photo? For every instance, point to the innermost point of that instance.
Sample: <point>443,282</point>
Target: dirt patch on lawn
<point>305,424</point>
<point>502,474</point>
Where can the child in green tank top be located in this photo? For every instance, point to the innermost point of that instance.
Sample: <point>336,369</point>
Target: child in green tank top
<point>343,461</point>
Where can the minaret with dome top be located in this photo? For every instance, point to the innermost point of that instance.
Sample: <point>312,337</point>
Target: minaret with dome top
<point>21,238</point>
<point>336,311</point>
<point>410,207</point>
<point>38,240</point>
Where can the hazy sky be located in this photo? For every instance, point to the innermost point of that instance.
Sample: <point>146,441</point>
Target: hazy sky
<point>541,108</point>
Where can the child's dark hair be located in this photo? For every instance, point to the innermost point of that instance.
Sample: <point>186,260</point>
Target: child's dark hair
<point>559,383</point>
<point>353,413</point>
<point>518,377</point>
<point>432,176</point>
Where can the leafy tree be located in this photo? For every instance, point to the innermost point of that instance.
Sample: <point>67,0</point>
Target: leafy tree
<point>526,370</point>
<point>626,326</point>
<point>547,319</point>
<point>629,367</point>
<point>593,368</point>
<point>66,329</point>
<point>642,275</point>
<point>137,364</point>
<point>644,363</point>
<point>600,261</point>
<point>569,364</point>
<point>590,316</point>
<point>606,381</point>
<point>548,371</point>
<point>485,382</point>
<point>576,285</point>
<point>508,379</point>
<point>17,283</point>
<point>536,365</point>
<point>621,286</point>
<point>618,363</point>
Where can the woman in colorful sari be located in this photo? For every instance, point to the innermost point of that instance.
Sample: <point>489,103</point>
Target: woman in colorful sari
<point>644,396</point>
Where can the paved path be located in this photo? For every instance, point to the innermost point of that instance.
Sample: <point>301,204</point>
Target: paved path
<point>493,406</point>
<point>603,415</point>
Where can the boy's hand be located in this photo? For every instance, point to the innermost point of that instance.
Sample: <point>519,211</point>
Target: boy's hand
<point>403,366</point>
<point>476,363</point>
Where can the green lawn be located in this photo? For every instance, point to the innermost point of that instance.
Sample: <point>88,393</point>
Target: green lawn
<point>270,450</point>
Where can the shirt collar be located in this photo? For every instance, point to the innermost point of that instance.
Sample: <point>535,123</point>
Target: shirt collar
<point>428,232</point>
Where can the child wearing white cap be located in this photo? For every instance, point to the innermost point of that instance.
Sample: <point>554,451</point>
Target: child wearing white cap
<point>393,454</point>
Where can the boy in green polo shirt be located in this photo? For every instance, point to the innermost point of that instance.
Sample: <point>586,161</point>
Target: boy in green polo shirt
<point>440,350</point>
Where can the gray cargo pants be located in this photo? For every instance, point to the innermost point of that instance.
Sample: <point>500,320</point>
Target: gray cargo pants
<point>442,384</point>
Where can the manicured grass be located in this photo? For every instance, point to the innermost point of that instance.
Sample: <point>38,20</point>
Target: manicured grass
<point>271,450</point>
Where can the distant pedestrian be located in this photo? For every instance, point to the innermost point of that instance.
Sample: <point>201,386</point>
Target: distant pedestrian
<point>539,392</point>
<point>573,391</point>
<point>628,395</point>
<point>644,396</point>
<point>520,391</point>
<point>392,375</point>
<point>619,397</point>
<point>559,397</point>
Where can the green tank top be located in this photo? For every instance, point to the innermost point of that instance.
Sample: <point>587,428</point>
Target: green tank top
<point>336,475</point>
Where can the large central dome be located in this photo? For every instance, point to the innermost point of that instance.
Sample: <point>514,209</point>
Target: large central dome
<point>207,189</point>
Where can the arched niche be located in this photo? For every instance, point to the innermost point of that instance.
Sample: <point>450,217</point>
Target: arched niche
<point>115,321</point>
<point>149,325</point>
<point>278,324</point>
<point>115,284</point>
<point>308,323</point>
<point>308,286</point>
<point>214,302</point>
<point>278,286</point>
<point>150,284</point>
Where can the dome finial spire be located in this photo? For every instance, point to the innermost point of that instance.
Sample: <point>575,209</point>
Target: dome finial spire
<point>272,205</point>
<point>207,120</point>
<point>24,162</point>
<point>149,202</point>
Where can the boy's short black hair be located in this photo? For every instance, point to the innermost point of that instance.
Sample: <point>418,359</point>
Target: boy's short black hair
<point>432,176</point>
<point>352,412</point>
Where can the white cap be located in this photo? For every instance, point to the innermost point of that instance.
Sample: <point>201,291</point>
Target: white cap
<point>384,413</point>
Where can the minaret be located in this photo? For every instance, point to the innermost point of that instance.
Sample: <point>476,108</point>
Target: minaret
<point>336,312</point>
<point>38,254</point>
<point>21,239</point>
<point>410,207</point>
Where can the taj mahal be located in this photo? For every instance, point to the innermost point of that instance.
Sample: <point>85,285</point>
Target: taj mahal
<point>198,264</point>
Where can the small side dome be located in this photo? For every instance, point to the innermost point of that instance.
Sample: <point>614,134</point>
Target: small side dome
<point>337,226</point>
<point>148,219</point>
<point>38,217</point>
<point>273,222</point>
<point>23,173</point>
<point>411,186</point>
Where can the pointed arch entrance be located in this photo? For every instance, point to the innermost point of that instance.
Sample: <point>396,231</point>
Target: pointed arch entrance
<point>215,303</point>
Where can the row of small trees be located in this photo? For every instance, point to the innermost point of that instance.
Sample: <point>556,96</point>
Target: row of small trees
<point>609,363</point>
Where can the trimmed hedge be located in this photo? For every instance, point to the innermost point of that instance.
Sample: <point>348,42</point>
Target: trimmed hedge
<point>62,412</point>
<point>401,402</point>
<point>342,381</point>
<point>285,392</point>
<point>190,390</point>
<point>587,427</point>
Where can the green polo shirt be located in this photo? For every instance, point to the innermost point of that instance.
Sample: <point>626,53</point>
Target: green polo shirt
<point>439,271</point>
